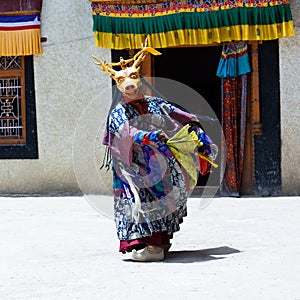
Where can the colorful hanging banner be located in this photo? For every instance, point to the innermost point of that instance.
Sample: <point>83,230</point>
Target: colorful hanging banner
<point>20,28</point>
<point>179,23</point>
<point>234,60</point>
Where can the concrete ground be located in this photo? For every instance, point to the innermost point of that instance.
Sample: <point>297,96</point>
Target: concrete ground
<point>62,248</point>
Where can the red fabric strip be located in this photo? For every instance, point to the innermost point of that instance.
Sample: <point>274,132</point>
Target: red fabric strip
<point>19,27</point>
<point>157,239</point>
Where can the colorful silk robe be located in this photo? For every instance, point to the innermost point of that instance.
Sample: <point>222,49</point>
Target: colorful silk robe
<point>150,186</point>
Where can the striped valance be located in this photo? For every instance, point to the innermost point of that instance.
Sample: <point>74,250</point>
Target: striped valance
<point>20,27</point>
<point>121,25</point>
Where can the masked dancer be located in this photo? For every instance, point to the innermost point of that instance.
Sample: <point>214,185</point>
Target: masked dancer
<point>156,151</point>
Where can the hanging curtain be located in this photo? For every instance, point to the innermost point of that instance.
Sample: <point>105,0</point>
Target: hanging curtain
<point>233,68</point>
<point>125,24</point>
<point>20,27</point>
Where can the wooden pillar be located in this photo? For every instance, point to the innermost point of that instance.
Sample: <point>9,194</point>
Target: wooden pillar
<point>253,124</point>
<point>255,102</point>
<point>147,72</point>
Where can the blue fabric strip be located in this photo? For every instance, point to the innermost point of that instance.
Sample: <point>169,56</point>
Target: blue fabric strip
<point>17,19</point>
<point>231,64</point>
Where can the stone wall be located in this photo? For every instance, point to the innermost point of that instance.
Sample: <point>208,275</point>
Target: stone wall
<point>289,52</point>
<point>295,7</point>
<point>72,100</point>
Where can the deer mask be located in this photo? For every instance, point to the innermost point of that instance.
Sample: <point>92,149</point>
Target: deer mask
<point>128,78</point>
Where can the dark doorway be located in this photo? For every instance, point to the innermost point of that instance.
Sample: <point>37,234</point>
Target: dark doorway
<point>196,68</point>
<point>268,146</point>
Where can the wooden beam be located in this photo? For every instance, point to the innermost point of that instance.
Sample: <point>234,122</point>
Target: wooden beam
<point>253,124</point>
<point>255,102</point>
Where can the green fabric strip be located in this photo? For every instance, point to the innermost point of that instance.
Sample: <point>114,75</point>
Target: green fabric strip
<point>193,20</point>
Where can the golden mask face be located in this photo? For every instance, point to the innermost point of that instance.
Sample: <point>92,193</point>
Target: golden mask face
<point>128,81</point>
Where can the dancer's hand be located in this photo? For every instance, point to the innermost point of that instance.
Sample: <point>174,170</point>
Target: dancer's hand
<point>162,135</point>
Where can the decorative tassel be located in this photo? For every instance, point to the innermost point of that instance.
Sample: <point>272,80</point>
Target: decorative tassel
<point>107,159</point>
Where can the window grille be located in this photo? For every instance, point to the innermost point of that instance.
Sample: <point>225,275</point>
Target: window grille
<point>12,100</point>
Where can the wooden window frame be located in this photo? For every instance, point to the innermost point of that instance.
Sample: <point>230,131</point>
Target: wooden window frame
<point>28,149</point>
<point>10,74</point>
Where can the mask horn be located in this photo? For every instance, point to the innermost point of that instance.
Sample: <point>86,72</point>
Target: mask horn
<point>106,67</point>
<point>137,59</point>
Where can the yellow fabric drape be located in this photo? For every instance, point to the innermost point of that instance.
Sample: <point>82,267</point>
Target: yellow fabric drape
<point>186,23</point>
<point>183,145</point>
<point>195,36</point>
<point>20,42</point>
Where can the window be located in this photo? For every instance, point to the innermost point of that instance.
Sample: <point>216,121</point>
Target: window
<point>18,138</point>
<point>12,100</point>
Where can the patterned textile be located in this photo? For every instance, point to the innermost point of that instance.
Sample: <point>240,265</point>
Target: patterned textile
<point>151,9</point>
<point>185,22</point>
<point>234,60</point>
<point>183,145</point>
<point>150,190</point>
<point>234,86</point>
<point>234,122</point>
<point>20,28</point>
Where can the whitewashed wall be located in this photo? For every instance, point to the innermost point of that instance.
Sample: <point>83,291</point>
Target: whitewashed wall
<point>72,99</point>
<point>289,51</point>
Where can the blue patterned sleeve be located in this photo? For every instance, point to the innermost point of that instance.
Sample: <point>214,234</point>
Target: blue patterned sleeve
<point>146,137</point>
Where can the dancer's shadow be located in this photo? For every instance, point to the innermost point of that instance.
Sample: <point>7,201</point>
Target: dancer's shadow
<point>192,256</point>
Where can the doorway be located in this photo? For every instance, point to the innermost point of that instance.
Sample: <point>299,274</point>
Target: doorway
<point>194,68</point>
